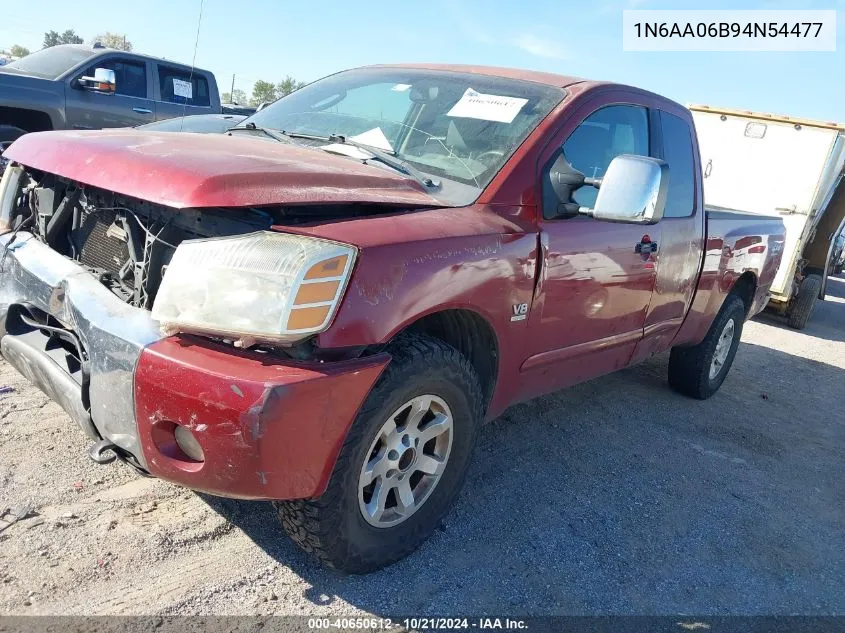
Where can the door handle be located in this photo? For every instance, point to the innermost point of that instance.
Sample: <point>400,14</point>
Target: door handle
<point>645,246</point>
<point>142,110</point>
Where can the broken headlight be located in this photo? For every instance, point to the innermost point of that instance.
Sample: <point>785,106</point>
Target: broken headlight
<point>265,286</point>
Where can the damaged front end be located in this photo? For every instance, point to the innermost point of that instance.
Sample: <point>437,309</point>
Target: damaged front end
<point>233,279</point>
<point>126,243</point>
<point>136,337</point>
<point>60,326</point>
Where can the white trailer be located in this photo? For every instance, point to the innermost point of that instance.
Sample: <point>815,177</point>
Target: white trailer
<point>782,166</point>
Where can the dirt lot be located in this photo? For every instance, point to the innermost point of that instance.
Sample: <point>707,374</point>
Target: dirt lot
<point>617,496</point>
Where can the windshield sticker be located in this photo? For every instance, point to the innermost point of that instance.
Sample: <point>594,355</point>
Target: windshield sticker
<point>401,87</point>
<point>476,105</point>
<point>182,88</point>
<point>373,138</point>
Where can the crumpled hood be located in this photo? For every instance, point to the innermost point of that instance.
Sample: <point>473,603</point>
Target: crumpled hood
<point>212,170</point>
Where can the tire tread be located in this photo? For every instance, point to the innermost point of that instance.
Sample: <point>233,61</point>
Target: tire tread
<point>313,523</point>
<point>689,367</point>
<point>808,294</point>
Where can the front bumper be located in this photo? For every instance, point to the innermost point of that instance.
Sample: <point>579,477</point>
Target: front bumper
<point>112,332</point>
<point>268,429</point>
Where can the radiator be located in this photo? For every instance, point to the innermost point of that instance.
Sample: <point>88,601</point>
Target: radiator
<point>103,243</point>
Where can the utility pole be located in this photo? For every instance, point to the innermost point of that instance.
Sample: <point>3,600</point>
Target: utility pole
<point>232,92</point>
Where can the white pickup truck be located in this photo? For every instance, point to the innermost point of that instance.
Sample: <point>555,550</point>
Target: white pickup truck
<point>787,167</point>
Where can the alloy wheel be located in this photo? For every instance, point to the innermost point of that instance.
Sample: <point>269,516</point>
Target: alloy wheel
<point>723,347</point>
<point>406,460</point>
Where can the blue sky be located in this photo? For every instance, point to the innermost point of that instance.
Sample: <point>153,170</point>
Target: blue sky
<point>267,39</point>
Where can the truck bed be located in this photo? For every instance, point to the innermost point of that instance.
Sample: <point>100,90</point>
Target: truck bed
<point>737,244</point>
<point>752,239</point>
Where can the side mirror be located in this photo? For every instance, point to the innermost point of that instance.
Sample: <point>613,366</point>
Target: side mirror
<point>103,81</point>
<point>565,180</point>
<point>633,190</point>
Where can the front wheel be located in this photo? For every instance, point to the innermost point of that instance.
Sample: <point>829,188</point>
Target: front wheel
<point>402,464</point>
<point>700,370</point>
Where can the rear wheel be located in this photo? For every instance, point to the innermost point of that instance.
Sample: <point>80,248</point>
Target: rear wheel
<point>402,464</point>
<point>804,302</point>
<point>700,370</point>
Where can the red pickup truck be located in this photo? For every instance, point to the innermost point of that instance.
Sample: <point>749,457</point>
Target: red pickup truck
<point>323,305</point>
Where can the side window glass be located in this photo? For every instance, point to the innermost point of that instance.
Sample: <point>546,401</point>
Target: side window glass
<point>677,152</point>
<point>130,77</point>
<point>603,136</point>
<point>181,87</point>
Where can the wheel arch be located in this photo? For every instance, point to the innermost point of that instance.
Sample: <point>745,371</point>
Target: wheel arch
<point>745,287</point>
<point>468,332</point>
<point>26,119</point>
<point>709,301</point>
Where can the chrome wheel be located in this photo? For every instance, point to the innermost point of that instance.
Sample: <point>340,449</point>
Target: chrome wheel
<point>406,461</point>
<point>723,347</point>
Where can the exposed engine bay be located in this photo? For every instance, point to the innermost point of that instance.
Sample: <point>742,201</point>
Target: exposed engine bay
<point>128,243</point>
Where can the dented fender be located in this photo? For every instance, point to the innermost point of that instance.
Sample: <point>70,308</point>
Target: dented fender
<point>481,258</point>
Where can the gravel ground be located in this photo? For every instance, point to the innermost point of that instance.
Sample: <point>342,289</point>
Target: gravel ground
<point>617,496</point>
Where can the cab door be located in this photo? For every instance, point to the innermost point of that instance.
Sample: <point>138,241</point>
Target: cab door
<point>596,278</point>
<point>129,106</point>
<point>682,235</point>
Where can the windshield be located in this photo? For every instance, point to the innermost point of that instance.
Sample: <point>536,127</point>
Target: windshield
<point>458,127</point>
<point>51,63</point>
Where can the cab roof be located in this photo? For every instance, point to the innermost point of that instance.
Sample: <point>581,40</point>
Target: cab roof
<point>99,49</point>
<point>549,79</point>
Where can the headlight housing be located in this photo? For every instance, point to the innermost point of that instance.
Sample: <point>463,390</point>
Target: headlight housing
<point>265,286</point>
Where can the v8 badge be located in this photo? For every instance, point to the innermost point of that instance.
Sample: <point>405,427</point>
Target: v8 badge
<point>520,312</point>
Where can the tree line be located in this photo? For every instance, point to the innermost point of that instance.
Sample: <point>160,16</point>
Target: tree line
<point>16,51</point>
<point>107,39</point>
<point>263,92</point>
<point>54,38</point>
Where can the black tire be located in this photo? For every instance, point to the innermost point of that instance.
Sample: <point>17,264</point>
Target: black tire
<point>333,527</point>
<point>8,133</point>
<point>804,302</point>
<point>689,367</point>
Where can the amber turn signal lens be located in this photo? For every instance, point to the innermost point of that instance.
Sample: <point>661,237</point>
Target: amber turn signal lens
<point>316,293</point>
<point>307,318</point>
<point>333,267</point>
